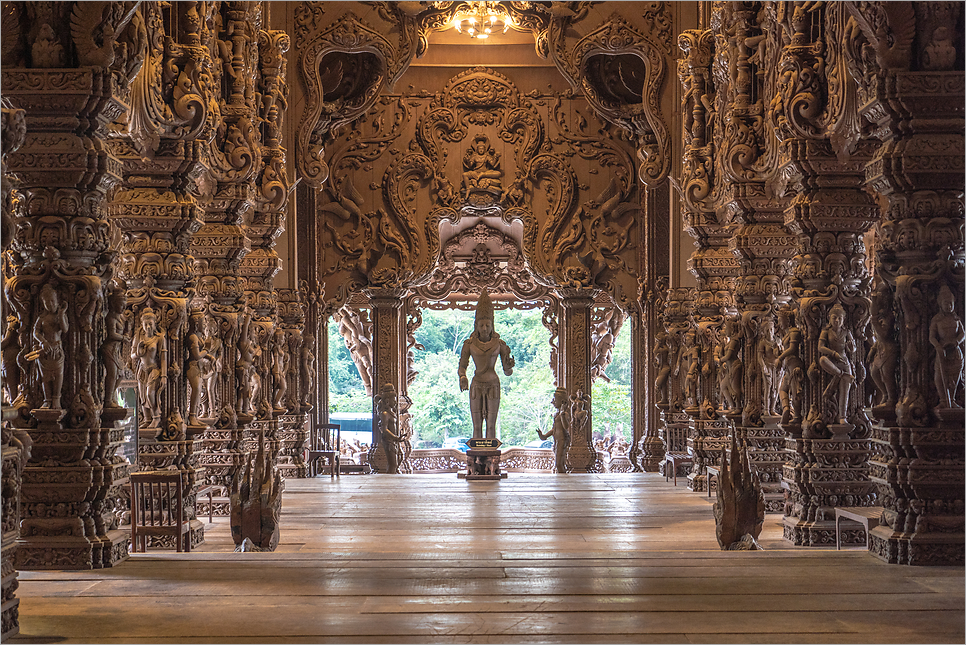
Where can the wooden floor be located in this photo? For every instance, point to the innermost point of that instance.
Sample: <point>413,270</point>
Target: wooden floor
<point>534,558</point>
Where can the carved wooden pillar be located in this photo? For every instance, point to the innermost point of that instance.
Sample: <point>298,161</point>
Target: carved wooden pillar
<point>676,323</point>
<point>829,451</point>
<point>387,357</point>
<point>913,95</point>
<point>575,331</point>
<point>292,430</point>
<point>14,442</point>
<point>760,243</point>
<point>60,266</point>
<point>220,246</point>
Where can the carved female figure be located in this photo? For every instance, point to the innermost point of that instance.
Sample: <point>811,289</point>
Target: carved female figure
<point>884,354</point>
<point>690,359</point>
<point>481,166</point>
<point>836,347</point>
<point>484,346</point>
<point>308,368</point>
<point>111,349</point>
<point>9,349</point>
<point>198,360</point>
<point>560,431</point>
<point>388,429</point>
<point>150,355</point>
<point>732,383</point>
<point>49,327</point>
<point>791,391</point>
<point>215,349</point>
<point>946,334</point>
<point>244,366</point>
<point>280,357</point>
<point>767,356</point>
<point>662,356</point>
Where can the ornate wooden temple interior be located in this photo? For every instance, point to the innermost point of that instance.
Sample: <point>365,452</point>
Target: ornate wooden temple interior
<point>768,196</point>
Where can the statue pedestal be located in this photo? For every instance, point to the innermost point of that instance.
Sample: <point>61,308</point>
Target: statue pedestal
<point>482,464</point>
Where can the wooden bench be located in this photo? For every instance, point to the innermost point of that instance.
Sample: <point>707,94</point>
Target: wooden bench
<point>713,471</point>
<point>208,491</point>
<point>868,516</point>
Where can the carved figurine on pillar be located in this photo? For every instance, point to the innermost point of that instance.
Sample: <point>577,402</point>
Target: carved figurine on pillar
<point>560,431</point>
<point>836,347</point>
<point>308,372</point>
<point>884,354</point>
<point>731,369</point>
<point>389,438</point>
<point>791,392</point>
<point>149,355</point>
<point>113,342</point>
<point>484,345</point>
<point>690,360</point>
<point>198,365</point>
<point>662,356</point>
<point>770,366</point>
<point>49,327</point>
<point>481,167</point>
<point>946,335</point>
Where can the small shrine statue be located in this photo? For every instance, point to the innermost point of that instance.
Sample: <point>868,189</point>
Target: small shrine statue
<point>560,431</point>
<point>150,356</point>
<point>389,438</point>
<point>481,167</point>
<point>836,347</point>
<point>49,328</point>
<point>484,346</point>
<point>946,334</point>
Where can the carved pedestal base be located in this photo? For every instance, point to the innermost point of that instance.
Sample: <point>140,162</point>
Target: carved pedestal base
<point>482,465</point>
<point>292,434</point>
<point>766,450</point>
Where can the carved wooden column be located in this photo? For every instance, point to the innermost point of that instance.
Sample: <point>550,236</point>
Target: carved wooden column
<point>220,246</point>
<point>14,442</point>
<point>575,332</point>
<point>749,155</point>
<point>676,323</point>
<point>387,359</point>
<point>913,94</point>
<point>292,430</point>
<point>830,285</point>
<point>712,263</point>
<point>60,267</point>
<point>168,125</point>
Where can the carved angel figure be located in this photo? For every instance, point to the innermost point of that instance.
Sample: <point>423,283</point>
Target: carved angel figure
<point>946,334</point>
<point>884,354</point>
<point>150,356</point>
<point>603,347</point>
<point>308,368</point>
<point>481,167</point>
<point>198,365</point>
<point>49,328</point>
<point>836,348</point>
<point>9,349</point>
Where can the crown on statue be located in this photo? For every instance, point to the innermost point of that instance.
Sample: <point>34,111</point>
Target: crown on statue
<point>484,308</point>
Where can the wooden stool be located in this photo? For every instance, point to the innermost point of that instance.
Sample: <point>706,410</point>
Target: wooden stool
<point>868,516</point>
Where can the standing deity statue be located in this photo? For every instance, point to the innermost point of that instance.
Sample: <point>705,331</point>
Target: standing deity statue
<point>560,431</point>
<point>198,365</point>
<point>481,166</point>
<point>884,354</point>
<point>386,411</point>
<point>767,356</point>
<point>113,342</point>
<point>946,334</point>
<point>791,392</point>
<point>602,343</point>
<point>244,365</point>
<point>280,358</point>
<point>215,349</point>
<point>836,347</point>
<point>49,328</point>
<point>662,356</point>
<point>149,353</point>
<point>259,407</point>
<point>484,345</point>
<point>690,360</point>
<point>731,370</point>
<point>308,369</point>
<point>10,349</point>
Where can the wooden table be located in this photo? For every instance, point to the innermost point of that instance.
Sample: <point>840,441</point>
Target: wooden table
<point>867,516</point>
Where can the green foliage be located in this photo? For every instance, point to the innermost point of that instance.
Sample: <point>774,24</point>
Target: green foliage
<point>441,410</point>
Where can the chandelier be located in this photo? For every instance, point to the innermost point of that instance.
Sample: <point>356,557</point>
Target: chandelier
<point>481,19</point>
